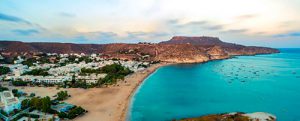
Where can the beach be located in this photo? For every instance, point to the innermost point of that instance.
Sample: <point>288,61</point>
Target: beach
<point>103,104</point>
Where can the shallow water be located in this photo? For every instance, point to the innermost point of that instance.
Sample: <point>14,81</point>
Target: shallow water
<point>262,83</point>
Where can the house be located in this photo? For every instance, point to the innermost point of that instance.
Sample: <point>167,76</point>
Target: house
<point>9,102</point>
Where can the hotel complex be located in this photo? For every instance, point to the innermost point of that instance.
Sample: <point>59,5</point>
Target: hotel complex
<point>9,102</point>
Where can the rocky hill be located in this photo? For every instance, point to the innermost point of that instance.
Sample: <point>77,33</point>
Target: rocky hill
<point>194,40</point>
<point>230,48</point>
<point>178,49</point>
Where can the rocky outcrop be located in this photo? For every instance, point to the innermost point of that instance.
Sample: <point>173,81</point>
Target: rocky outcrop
<point>257,116</point>
<point>217,52</point>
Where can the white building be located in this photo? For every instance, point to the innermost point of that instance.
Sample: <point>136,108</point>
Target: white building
<point>93,78</point>
<point>93,55</point>
<point>62,60</point>
<point>63,55</point>
<point>42,66</point>
<point>18,69</point>
<point>20,60</point>
<point>9,102</point>
<point>53,79</point>
<point>65,70</point>
<point>51,54</point>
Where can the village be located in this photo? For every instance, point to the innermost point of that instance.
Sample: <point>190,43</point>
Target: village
<point>58,71</point>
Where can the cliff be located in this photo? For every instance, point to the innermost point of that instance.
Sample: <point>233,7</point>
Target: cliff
<point>178,49</point>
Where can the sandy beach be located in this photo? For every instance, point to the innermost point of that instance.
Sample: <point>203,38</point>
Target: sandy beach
<point>104,104</point>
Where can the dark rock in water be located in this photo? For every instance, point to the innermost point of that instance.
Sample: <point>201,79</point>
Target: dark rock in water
<point>257,116</point>
<point>243,81</point>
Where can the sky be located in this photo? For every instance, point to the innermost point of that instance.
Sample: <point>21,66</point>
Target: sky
<point>271,23</point>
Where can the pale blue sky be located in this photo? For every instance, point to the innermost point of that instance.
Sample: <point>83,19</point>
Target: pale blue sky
<point>273,23</point>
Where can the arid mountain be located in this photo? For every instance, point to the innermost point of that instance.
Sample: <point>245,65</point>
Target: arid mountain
<point>194,40</point>
<point>178,49</point>
<point>230,48</point>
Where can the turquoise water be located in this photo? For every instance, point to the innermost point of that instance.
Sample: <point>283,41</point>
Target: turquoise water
<point>262,83</point>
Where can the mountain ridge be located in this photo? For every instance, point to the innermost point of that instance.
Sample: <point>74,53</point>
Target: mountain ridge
<point>179,49</point>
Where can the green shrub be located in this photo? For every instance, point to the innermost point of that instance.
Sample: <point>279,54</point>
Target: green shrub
<point>19,83</point>
<point>37,72</point>
<point>4,70</point>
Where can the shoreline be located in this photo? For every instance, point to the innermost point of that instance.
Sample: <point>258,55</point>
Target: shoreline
<point>150,71</point>
<point>105,104</point>
<point>126,106</point>
<point>109,103</point>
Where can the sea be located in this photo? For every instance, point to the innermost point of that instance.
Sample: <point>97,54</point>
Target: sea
<point>261,83</point>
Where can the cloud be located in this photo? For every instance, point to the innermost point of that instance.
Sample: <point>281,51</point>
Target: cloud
<point>207,25</point>
<point>196,23</point>
<point>136,34</point>
<point>5,17</point>
<point>10,18</point>
<point>172,22</point>
<point>290,34</point>
<point>140,35</point>
<point>111,37</point>
<point>104,37</point>
<point>214,27</point>
<point>235,31</point>
<point>107,35</point>
<point>246,17</point>
<point>68,15</point>
<point>25,32</point>
<point>159,34</point>
<point>295,34</point>
<point>80,39</point>
<point>177,23</point>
